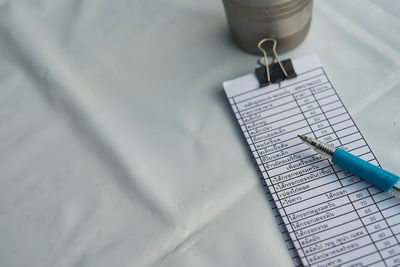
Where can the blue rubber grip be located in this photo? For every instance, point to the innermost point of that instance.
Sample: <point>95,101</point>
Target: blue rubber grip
<point>365,170</point>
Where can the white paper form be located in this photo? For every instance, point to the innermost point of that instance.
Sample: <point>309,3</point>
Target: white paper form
<point>285,234</point>
<point>333,217</point>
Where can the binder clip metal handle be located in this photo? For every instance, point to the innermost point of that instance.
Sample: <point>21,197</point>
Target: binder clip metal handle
<point>274,72</point>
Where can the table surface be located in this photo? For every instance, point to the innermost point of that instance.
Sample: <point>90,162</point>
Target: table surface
<point>119,148</point>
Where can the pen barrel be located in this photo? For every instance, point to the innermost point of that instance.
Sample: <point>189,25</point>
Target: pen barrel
<point>365,170</point>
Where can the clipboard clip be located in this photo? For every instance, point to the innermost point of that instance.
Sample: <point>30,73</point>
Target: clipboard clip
<point>274,72</point>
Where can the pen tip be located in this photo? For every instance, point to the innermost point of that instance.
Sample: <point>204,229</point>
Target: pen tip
<point>302,137</point>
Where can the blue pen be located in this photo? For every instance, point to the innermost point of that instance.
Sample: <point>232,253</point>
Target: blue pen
<point>386,181</point>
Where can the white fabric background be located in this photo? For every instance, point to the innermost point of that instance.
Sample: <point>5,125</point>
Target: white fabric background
<point>118,147</point>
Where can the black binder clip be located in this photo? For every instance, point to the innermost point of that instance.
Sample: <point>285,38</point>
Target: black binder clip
<point>274,72</point>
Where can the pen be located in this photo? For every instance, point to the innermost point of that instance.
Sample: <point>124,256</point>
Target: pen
<point>384,180</point>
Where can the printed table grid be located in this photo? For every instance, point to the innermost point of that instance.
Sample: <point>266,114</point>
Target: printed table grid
<point>328,215</point>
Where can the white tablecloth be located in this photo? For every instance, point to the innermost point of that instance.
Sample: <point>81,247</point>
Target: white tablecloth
<point>118,146</point>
